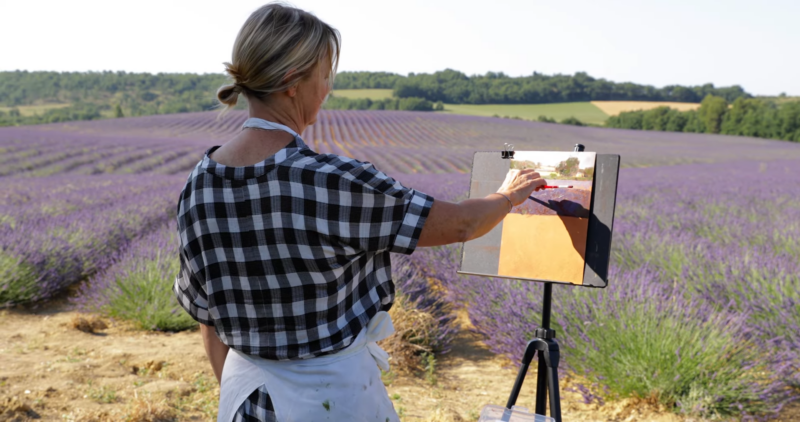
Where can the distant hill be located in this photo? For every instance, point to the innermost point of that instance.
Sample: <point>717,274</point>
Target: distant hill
<point>454,87</point>
<point>46,97</point>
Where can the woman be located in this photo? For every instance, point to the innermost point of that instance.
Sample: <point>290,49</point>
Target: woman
<point>285,252</point>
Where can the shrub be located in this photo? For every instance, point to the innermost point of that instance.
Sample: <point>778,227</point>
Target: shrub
<point>546,119</point>
<point>645,338</point>
<point>138,287</point>
<point>572,121</point>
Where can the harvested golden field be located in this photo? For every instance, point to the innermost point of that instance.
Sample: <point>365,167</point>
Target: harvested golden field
<point>612,108</point>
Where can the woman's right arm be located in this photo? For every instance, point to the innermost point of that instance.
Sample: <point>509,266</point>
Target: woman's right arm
<point>450,222</point>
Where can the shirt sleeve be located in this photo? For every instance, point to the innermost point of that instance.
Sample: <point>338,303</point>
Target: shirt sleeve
<point>384,214</point>
<point>190,295</point>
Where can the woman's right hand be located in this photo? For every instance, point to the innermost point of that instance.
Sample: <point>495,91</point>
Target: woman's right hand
<point>471,218</point>
<point>519,185</point>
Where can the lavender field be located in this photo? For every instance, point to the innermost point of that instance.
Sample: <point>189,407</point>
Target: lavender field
<point>702,311</point>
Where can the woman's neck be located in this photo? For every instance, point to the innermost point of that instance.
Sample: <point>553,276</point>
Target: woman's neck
<point>278,110</point>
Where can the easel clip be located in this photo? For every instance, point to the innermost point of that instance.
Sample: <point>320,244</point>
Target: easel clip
<point>507,152</point>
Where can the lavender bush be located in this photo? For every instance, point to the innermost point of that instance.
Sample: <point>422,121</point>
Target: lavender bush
<point>645,337</point>
<point>56,232</point>
<point>138,287</point>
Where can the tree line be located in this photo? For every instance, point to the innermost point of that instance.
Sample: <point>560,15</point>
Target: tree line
<point>454,87</point>
<point>91,95</point>
<point>95,95</point>
<point>174,91</point>
<point>744,117</point>
<point>366,80</point>
<point>409,104</point>
<point>145,93</point>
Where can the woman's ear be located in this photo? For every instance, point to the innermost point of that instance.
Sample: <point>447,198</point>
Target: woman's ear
<point>293,90</point>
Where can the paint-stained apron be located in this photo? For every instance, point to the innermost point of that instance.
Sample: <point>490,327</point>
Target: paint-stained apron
<point>345,386</point>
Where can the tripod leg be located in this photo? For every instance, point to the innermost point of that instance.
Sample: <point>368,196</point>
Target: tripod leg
<point>512,400</point>
<point>551,357</point>
<point>541,384</point>
<point>527,358</point>
<point>555,399</point>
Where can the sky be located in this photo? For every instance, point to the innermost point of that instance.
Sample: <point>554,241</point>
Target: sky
<point>752,43</point>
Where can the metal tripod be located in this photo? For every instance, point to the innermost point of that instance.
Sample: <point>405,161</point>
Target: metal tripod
<point>547,378</point>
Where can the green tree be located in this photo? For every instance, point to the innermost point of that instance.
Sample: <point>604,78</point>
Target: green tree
<point>569,167</point>
<point>656,119</point>
<point>788,121</point>
<point>711,112</point>
<point>572,121</point>
<point>546,119</point>
<point>118,112</point>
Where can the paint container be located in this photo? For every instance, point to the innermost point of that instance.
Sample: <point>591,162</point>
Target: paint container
<point>495,413</point>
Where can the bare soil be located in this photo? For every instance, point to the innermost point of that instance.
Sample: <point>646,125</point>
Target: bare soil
<point>52,371</point>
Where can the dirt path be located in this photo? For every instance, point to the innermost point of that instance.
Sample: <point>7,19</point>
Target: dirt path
<point>50,371</point>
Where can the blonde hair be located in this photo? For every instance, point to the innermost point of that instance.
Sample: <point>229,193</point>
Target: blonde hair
<point>277,47</point>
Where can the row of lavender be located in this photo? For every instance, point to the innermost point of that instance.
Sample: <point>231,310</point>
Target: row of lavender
<point>55,232</point>
<point>702,311</point>
<point>396,142</point>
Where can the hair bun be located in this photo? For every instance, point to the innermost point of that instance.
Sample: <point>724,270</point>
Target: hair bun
<point>229,94</point>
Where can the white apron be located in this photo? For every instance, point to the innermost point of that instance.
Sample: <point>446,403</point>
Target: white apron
<point>345,386</point>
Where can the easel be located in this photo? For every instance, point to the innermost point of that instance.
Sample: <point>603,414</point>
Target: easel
<point>486,254</point>
<point>545,343</point>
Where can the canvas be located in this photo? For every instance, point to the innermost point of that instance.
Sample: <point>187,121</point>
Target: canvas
<point>545,237</point>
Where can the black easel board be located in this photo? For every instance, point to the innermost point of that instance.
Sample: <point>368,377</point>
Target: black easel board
<point>479,255</point>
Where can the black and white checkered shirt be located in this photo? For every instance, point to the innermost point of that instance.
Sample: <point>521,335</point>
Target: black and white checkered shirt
<point>289,258</point>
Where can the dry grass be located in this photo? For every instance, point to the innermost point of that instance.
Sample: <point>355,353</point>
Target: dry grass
<point>444,415</point>
<point>140,409</point>
<point>612,108</point>
<point>12,409</point>
<point>415,332</point>
<point>91,324</point>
